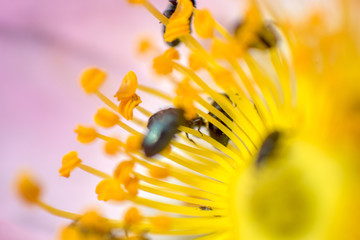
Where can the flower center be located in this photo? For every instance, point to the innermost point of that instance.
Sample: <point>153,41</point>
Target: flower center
<point>285,197</point>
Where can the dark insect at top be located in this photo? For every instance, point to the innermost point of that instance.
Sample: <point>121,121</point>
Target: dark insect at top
<point>214,131</point>
<point>163,125</point>
<point>268,147</point>
<point>168,13</point>
<point>265,37</point>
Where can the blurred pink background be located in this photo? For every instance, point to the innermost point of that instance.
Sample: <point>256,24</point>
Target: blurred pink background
<point>44,46</point>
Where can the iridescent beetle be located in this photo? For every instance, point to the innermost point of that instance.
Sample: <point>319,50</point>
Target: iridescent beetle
<point>163,125</point>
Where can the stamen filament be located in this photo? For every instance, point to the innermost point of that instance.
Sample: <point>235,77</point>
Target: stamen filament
<point>155,92</point>
<point>94,171</point>
<point>58,212</point>
<point>198,193</point>
<point>158,15</point>
<point>183,210</point>
<point>186,199</point>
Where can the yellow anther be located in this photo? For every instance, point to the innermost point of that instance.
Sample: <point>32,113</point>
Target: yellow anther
<point>163,65</point>
<point>112,146</point>
<point>179,23</point>
<point>204,23</point>
<point>123,171</point>
<point>69,162</point>
<point>172,53</point>
<point>144,45</point>
<point>128,86</point>
<point>196,61</point>
<point>28,188</point>
<point>159,172</point>
<point>106,118</point>
<point>92,220</point>
<point>92,79</point>
<point>136,1</point>
<point>186,95</point>
<point>110,189</point>
<point>71,233</point>
<point>161,222</point>
<point>85,134</point>
<point>132,186</point>
<point>132,216</point>
<point>133,143</point>
<point>221,49</point>
<point>223,77</point>
<point>127,106</point>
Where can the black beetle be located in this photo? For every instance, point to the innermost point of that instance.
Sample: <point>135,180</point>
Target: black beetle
<point>214,131</point>
<point>163,125</point>
<point>168,13</point>
<point>265,37</point>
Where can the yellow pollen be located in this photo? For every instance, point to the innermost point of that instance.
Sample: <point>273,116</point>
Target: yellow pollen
<point>161,223</point>
<point>133,143</point>
<point>106,118</point>
<point>123,171</point>
<point>110,189</point>
<point>158,172</point>
<point>92,79</point>
<point>70,233</point>
<point>186,95</point>
<point>112,146</point>
<point>223,77</point>
<point>196,61</point>
<point>132,186</point>
<point>85,134</point>
<point>136,1</point>
<point>145,45</point>
<point>28,188</point>
<point>163,64</point>
<point>69,162</point>
<point>179,24</point>
<point>204,23</point>
<point>172,54</point>
<point>128,86</point>
<point>92,220</point>
<point>132,216</point>
<point>127,106</point>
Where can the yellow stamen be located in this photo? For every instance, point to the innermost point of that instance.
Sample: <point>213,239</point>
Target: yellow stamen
<point>127,106</point>
<point>159,172</point>
<point>92,79</point>
<point>112,146</point>
<point>204,23</point>
<point>128,86</point>
<point>179,23</point>
<point>123,170</point>
<point>69,162</point>
<point>132,216</point>
<point>161,222</point>
<point>85,134</point>
<point>109,189</point>
<point>106,118</point>
<point>133,143</point>
<point>28,188</point>
<point>132,186</point>
<point>196,62</point>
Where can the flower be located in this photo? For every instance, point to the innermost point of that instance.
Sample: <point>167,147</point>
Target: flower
<point>271,164</point>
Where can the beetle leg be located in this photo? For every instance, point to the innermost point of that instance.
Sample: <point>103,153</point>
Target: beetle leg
<point>187,135</point>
